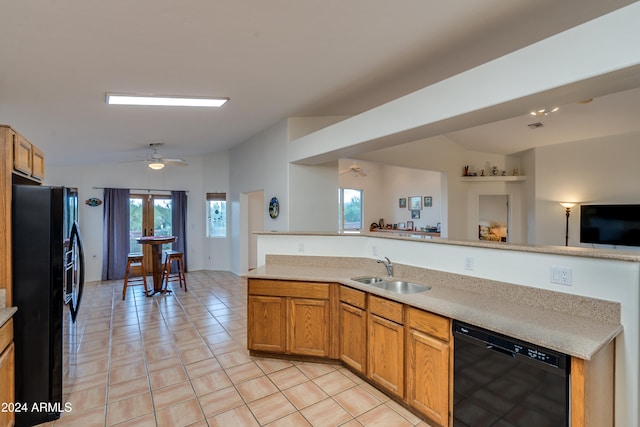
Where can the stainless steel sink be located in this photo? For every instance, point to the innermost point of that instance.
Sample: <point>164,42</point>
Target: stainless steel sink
<point>391,285</point>
<point>368,280</point>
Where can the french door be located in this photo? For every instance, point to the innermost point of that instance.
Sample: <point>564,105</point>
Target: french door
<point>149,215</point>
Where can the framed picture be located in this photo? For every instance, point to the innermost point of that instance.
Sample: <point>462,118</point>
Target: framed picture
<point>428,201</point>
<point>402,202</point>
<point>415,202</point>
<point>415,214</point>
<point>401,226</point>
<point>409,225</point>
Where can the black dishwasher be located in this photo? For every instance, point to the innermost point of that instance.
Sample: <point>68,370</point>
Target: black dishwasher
<point>504,382</point>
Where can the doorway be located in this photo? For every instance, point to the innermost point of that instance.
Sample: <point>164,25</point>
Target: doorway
<point>149,215</point>
<point>493,217</point>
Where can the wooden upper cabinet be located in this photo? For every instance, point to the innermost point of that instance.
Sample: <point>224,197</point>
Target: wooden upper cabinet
<point>37,162</point>
<point>28,160</point>
<point>22,155</point>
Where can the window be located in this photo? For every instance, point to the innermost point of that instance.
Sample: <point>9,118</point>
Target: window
<point>216,214</point>
<point>350,210</point>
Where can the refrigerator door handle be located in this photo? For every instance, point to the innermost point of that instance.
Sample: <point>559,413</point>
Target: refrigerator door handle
<point>75,244</point>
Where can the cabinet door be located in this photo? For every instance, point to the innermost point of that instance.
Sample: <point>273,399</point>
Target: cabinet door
<point>309,327</point>
<point>386,354</point>
<point>428,376</point>
<point>266,324</point>
<point>353,337</point>
<point>37,163</point>
<point>7,394</point>
<point>22,158</point>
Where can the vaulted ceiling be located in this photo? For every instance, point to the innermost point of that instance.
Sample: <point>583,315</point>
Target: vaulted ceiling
<point>273,59</point>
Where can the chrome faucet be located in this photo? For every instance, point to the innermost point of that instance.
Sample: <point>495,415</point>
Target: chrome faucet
<point>388,265</point>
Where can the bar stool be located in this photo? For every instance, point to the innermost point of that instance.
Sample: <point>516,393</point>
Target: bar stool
<point>178,257</point>
<point>135,260</point>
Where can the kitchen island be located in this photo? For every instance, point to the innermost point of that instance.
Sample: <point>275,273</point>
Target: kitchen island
<point>503,292</point>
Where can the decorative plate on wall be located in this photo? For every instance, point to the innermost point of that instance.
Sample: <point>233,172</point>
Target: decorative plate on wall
<point>93,201</point>
<point>274,207</point>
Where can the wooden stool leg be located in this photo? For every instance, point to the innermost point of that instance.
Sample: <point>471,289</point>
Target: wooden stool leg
<point>144,279</point>
<point>181,272</point>
<point>126,280</point>
<point>166,270</point>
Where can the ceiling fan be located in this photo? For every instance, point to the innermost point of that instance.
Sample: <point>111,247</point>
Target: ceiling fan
<point>157,162</point>
<point>355,168</point>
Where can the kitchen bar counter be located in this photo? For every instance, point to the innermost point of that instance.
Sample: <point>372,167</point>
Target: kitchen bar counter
<point>619,255</point>
<point>575,325</point>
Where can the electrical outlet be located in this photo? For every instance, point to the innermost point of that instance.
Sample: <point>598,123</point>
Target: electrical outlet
<point>561,275</point>
<point>374,250</point>
<point>468,263</point>
<point>300,247</point>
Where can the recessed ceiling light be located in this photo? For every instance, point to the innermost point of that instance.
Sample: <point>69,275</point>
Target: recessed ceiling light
<point>544,111</point>
<point>164,100</point>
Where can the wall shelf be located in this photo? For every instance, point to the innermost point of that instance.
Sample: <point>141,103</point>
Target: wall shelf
<point>500,178</point>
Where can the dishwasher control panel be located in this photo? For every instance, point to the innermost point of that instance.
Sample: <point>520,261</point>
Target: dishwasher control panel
<point>512,346</point>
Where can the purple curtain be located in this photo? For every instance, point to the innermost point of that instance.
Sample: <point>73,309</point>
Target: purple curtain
<point>115,235</point>
<point>179,222</point>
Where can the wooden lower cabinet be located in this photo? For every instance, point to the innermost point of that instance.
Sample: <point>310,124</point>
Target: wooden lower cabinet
<point>266,323</point>
<point>428,376</point>
<point>281,319</point>
<point>429,365</point>
<point>353,337</point>
<point>386,354</point>
<point>308,327</point>
<point>7,373</point>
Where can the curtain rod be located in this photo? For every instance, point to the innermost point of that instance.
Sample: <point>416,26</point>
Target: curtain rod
<point>136,189</point>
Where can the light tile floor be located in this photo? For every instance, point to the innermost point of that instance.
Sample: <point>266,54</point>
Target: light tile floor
<point>181,360</point>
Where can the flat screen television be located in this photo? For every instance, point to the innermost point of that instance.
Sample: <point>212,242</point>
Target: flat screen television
<point>610,224</point>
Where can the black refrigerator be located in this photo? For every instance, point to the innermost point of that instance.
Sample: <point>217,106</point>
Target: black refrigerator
<point>48,278</point>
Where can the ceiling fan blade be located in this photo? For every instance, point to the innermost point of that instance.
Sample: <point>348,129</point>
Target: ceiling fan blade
<point>176,162</point>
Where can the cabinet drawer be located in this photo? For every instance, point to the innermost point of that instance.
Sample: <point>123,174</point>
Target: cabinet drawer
<point>382,307</point>
<point>429,323</point>
<point>286,288</point>
<point>353,297</point>
<point>6,334</point>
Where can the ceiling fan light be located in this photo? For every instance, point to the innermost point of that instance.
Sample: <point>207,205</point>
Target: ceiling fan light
<point>156,165</point>
<point>164,100</point>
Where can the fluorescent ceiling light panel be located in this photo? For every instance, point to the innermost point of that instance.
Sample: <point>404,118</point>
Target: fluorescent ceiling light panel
<point>164,100</point>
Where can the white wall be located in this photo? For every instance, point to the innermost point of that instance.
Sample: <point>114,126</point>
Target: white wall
<point>133,175</point>
<point>459,208</point>
<point>258,164</point>
<point>215,252</point>
<point>384,184</point>
<point>596,171</point>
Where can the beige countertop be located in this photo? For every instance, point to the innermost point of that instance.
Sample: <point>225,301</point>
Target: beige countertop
<point>620,255</point>
<point>574,325</point>
<point>6,314</point>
